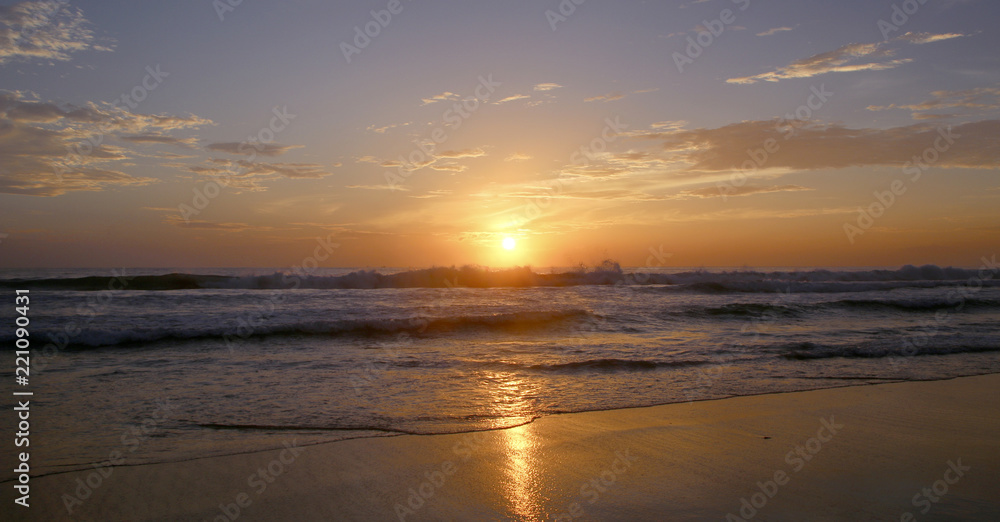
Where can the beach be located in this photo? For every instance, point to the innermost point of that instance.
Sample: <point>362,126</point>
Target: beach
<point>852,453</point>
<point>560,260</point>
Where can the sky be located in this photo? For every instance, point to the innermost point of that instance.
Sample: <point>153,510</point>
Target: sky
<point>395,133</point>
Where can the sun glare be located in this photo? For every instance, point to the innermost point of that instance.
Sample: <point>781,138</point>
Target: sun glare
<point>509,243</point>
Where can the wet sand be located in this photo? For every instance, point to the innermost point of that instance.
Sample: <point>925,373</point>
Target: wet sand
<point>930,449</point>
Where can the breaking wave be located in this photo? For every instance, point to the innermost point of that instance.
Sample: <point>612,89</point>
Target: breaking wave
<point>608,273</point>
<point>415,326</point>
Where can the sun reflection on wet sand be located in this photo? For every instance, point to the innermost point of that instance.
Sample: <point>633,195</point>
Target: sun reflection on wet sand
<point>521,482</point>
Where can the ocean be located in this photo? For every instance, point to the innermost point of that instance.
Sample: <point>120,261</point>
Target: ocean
<point>175,364</point>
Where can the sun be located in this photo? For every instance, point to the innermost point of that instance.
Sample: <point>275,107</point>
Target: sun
<point>509,243</point>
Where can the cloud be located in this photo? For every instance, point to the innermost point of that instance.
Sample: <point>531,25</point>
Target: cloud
<point>450,167</point>
<point>160,138</point>
<point>979,99</point>
<point>19,109</point>
<point>669,125</point>
<point>434,160</point>
<point>742,214</point>
<point>846,59</point>
<point>682,158</point>
<point>243,175</point>
<point>178,221</point>
<point>926,116</point>
<point>745,190</point>
<point>547,86</point>
<point>432,194</point>
<point>606,195</point>
<point>923,38</point>
<point>609,166</point>
<point>774,30</point>
<point>832,146</point>
<point>511,98</point>
<point>230,176</point>
<point>48,149</point>
<point>464,153</point>
<point>241,148</point>
<point>843,59</point>
<point>288,170</point>
<point>382,130</point>
<point>445,96</point>
<point>613,96</point>
<point>44,30</point>
<point>140,122</point>
<point>379,187</point>
<point>517,156</point>
<point>606,97</point>
<point>74,179</point>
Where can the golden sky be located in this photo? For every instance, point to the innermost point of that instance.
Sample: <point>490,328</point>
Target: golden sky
<point>722,132</point>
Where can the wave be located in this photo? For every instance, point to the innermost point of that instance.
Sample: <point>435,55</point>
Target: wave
<point>876,350</point>
<point>917,305</point>
<point>607,273</point>
<point>415,326</point>
<point>777,286</point>
<point>739,310</point>
<point>598,365</point>
<point>796,310</point>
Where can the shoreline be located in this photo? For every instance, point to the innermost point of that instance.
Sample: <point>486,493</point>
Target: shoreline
<point>883,443</point>
<point>388,433</point>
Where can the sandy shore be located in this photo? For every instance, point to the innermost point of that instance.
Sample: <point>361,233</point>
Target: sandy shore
<point>859,453</point>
